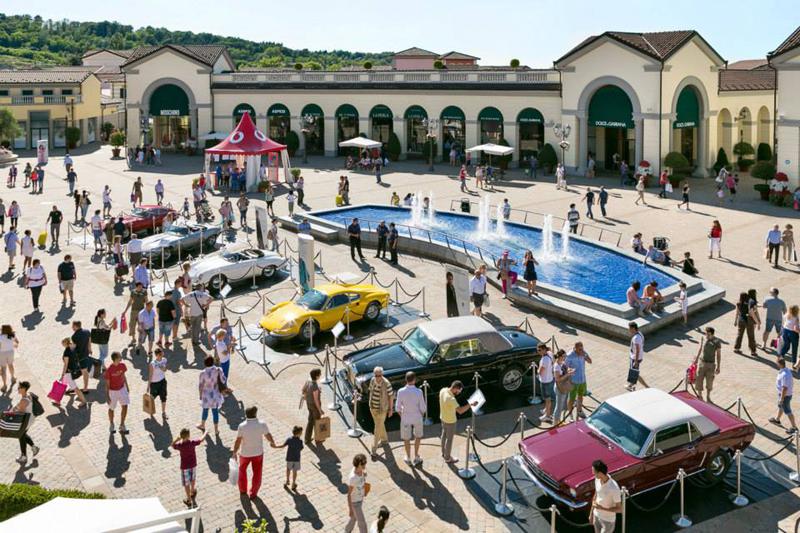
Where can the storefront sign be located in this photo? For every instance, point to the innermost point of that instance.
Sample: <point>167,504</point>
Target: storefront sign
<point>687,124</point>
<point>609,124</point>
<point>170,113</point>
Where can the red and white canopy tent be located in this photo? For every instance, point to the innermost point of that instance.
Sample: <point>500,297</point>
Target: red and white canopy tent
<point>247,145</point>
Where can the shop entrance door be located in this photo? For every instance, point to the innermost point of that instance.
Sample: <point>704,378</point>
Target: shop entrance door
<point>617,143</point>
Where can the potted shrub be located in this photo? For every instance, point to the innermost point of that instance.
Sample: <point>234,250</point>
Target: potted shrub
<point>763,152</point>
<point>393,147</point>
<point>295,172</point>
<point>741,150</point>
<point>72,135</point>
<point>722,161</point>
<point>107,129</point>
<point>644,169</point>
<point>292,142</point>
<point>117,139</point>
<point>763,170</point>
<point>679,167</point>
<point>262,186</point>
<point>547,158</point>
<point>779,193</point>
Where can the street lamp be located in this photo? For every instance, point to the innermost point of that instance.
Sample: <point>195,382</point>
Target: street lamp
<point>432,125</point>
<point>562,133</point>
<point>307,121</point>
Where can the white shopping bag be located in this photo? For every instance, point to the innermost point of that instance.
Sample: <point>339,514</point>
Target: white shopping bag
<point>668,187</point>
<point>233,471</point>
<point>486,302</point>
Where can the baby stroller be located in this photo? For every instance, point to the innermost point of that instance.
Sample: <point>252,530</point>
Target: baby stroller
<point>661,243</point>
<point>204,212</point>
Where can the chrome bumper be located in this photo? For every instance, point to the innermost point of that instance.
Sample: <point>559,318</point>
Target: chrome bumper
<point>547,490</point>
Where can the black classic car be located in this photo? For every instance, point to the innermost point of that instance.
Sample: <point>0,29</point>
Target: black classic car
<point>441,351</point>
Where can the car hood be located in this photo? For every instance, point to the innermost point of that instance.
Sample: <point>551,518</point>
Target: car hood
<point>211,264</point>
<point>159,241</point>
<point>393,358</point>
<point>283,315</point>
<point>566,453</point>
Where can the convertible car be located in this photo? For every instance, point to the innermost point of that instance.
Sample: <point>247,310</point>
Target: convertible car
<point>144,219</point>
<point>644,437</point>
<point>441,351</point>
<point>231,265</point>
<point>320,308</point>
<point>182,235</point>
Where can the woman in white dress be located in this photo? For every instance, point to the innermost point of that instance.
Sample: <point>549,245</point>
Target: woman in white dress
<point>8,345</point>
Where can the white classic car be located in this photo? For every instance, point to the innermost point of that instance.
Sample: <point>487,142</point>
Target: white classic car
<point>181,240</point>
<point>233,265</point>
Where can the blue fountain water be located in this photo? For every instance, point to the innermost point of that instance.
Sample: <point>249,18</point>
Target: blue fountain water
<point>591,270</point>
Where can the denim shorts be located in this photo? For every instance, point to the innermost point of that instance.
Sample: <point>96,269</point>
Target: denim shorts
<point>149,333</point>
<point>771,324</point>
<point>187,476</point>
<point>786,405</point>
<point>165,328</point>
<point>547,390</point>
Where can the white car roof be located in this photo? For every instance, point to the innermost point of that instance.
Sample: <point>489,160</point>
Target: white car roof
<point>656,410</point>
<point>464,327</point>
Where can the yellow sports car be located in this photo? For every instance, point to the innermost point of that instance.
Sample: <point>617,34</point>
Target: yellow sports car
<point>322,307</point>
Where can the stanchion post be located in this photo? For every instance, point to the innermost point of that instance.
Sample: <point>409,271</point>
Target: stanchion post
<point>201,241</point>
<point>503,508</point>
<point>739,499</point>
<point>534,400</point>
<point>327,364</point>
<point>426,421</point>
<point>795,476</point>
<point>388,316</point>
<point>681,520</point>
<point>553,516</point>
<point>335,405</point>
<point>522,418</point>
<point>739,406</point>
<point>254,286</point>
<point>311,347</point>
<point>396,293</point>
<point>624,502</point>
<point>467,472</point>
<point>347,335</point>
<point>354,432</point>
<point>424,312</point>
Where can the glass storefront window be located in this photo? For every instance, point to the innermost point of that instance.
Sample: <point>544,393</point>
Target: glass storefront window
<point>170,133</point>
<point>416,135</point>
<point>531,138</point>
<point>491,131</point>
<point>278,129</point>
<point>59,133</point>
<point>453,133</point>
<point>347,129</point>
<point>19,142</point>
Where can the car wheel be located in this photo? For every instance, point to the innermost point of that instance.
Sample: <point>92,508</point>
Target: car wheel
<point>373,311</point>
<point>309,329</point>
<point>717,466</point>
<point>268,271</point>
<point>217,282</point>
<point>511,378</point>
<point>209,245</point>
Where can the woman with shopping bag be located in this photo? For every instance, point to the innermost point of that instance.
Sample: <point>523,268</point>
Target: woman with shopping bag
<point>70,370</point>
<point>25,406</point>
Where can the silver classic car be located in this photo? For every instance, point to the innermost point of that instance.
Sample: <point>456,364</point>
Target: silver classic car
<point>180,240</point>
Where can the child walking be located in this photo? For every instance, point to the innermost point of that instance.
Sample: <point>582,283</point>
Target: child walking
<point>294,445</point>
<point>683,299</point>
<point>187,448</point>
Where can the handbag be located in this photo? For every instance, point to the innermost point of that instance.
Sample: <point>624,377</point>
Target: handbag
<point>99,336</point>
<point>233,471</point>
<point>633,374</point>
<point>691,373</point>
<point>564,386</point>
<point>322,428</point>
<point>57,391</point>
<point>13,425</point>
<point>97,369</point>
<point>148,404</point>
<point>223,388</point>
<point>36,405</point>
<point>123,324</point>
<point>486,302</point>
<point>668,187</point>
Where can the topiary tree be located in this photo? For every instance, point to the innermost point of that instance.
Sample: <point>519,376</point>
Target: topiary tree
<point>679,166</point>
<point>9,127</point>
<point>368,65</point>
<point>72,135</point>
<point>763,170</point>
<point>547,158</point>
<point>763,152</point>
<point>743,150</point>
<point>514,63</point>
<point>438,64</point>
<point>722,160</point>
<point>107,129</point>
<point>505,159</point>
<point>298,66</point>
<point>292,142</point>
<point>116,139</point>
<point>393,147</point>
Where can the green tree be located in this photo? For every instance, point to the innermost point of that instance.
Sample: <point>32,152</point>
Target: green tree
<point>678,163</point>
<point>292,142</point>
<point>393,147</point>
<point>9,128</point>
<point>763,152</point>
<point>368,65</point>
<point>438,64</point>
<point>722,160</point>
<point>547,158</point>
<point>514,63</point>
<point>763,170</point>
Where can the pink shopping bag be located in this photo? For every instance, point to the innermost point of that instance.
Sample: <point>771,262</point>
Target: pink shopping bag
<point>57,391</point>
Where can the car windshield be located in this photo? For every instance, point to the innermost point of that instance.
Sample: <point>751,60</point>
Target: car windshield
<point>140,212</point>
<point>419,346</point>
<point>312,300</point>
<point>618,427</point>
<point>179,230</point>
<point>231,257</point>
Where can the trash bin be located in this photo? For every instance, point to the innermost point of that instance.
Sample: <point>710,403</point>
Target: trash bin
<point>465,205</point>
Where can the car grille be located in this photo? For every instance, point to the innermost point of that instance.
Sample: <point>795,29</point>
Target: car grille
<point>540,474</point>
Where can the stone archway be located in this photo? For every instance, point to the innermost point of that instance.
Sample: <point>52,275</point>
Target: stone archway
<point>703,160</point>
<point>725,132</point>
<point>144,103</point>
<point>583,117</point>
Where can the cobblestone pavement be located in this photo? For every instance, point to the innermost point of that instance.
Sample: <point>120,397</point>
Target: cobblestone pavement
<point>78,452</point>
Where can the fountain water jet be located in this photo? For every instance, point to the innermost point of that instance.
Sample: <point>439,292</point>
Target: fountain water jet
<point>565,240</point>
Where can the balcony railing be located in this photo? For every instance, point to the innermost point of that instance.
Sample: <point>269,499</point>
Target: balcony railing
<point>61,99</point>
<point>509,77</point>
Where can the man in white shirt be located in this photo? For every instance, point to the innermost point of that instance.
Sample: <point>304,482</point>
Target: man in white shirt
<point>545,376</point>
<point>248,439</point>
<point>106,201</point>
<point>573,217</point>
<point>146,322</point>
<point>785,387</point>
<point>410,405</point>
<point>142,274</point>
<point>159,191</point>
<point>97,230</point>
<point>637,356</point>
<point>196,304</point>
<point>134,250</point>
<point>477,291</point>
<point>607,501</point>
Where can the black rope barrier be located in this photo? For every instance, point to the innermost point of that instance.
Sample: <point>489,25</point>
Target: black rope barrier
<point>570,522</point>
<point>505,439</point>
<point>657,507</point>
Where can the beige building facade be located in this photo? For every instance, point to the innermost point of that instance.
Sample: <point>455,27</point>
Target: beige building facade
<point>631,96</point>
<point>786,61</point>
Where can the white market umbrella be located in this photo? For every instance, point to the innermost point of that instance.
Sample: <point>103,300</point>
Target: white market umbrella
<point>360,142</point>
<point>492,149</point>
<point>214,135</point>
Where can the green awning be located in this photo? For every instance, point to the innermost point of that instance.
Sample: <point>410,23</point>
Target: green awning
<point>346,111</point>
<point>529,115</point>
<point>381,111</point>
<point>417,112</point>
<point>278,110</point>
<point>610,108</point>
<point>312,109</point>
<point>169,100</point>
<point>452,112</point>
<point>688,110</point>
<point>490,113</point>
<point>241,109</point>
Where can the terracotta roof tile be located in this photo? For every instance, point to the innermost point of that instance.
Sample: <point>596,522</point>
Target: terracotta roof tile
<point>416,52</point>
<point>204,53</point>
<point>457,55</point>
<point>44,76</point>
<point>746,80</point>
<point>658,45</point>
<point>791,42</point>
<point>747,64</point>
<point>121,53</point>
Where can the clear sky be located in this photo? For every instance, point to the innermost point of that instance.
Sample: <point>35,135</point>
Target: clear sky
<point>534,31</point>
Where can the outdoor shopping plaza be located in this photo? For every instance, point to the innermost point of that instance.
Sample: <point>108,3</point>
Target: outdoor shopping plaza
<point>360,332</point>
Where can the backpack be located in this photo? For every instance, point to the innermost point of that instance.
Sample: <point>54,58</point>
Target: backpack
<point>36,406</point>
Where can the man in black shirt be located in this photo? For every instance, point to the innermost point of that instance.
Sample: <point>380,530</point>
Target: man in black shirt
<point>383,233</point>
<point>72,177</point>
<point>54,218</point>
<point>165,308</point>
<point>66,280</point>
<point>119,228</point>
<point>83,348</point>
<point>354,232</point>
<point>393,237</point>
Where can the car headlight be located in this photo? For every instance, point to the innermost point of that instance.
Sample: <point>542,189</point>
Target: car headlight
<point>573,492</point>
<point>286,326</point>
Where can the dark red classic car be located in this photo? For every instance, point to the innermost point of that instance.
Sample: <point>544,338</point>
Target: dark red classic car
<point>644,437</point>
<point>144,219</point>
